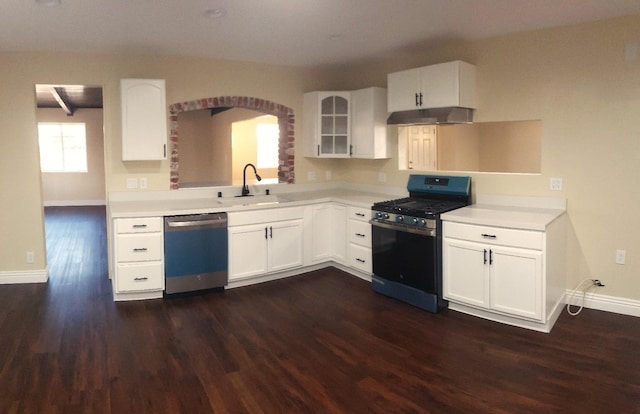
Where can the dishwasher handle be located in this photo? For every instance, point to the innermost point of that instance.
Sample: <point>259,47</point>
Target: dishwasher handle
<point>175,223</point>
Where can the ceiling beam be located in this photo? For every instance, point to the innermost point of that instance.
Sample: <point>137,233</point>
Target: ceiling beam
<point>59,96</point>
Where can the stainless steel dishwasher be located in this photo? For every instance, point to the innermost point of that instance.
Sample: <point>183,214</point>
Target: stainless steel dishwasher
<point>195,253</point>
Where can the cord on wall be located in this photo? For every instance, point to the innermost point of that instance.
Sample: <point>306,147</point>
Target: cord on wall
<point>585,288</point>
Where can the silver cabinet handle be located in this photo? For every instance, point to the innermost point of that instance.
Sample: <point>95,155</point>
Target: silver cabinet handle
<point>140,279</point>
<point>140,249</point>
<point>139,226</point>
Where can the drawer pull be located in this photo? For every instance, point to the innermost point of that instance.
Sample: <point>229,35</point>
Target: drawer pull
<point>139,226</point>
<point>360,260</point>
<point>489,236</point>
<point>360,214</point>
<point>140,279</point>
<point>140,249</point>
<point>360,235</point>
<point>485,256</point>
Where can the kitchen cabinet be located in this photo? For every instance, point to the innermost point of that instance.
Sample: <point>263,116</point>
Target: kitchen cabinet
<point>144,119</point>
<point>328,238</point>
<point>510,275</point>
<point>443,85</point>
<point>266,241</point>
<point>369,124</point>
<point>139,258</point>
<point>359,239</point>
<point>327,129</point>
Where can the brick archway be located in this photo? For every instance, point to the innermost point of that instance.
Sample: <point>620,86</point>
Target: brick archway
<point>285,122</point>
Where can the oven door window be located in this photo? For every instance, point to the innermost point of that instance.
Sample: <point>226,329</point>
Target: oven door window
<point>404,257</point>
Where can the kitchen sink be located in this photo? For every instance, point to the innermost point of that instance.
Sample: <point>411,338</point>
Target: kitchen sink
<point>256,200</point>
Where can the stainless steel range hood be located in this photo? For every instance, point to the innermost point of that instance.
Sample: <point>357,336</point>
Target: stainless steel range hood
<point>452,115</point>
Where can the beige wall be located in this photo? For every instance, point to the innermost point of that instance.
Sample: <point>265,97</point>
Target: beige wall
<point>574,79</point>
<point>77,188</point>
<point>21,217</point>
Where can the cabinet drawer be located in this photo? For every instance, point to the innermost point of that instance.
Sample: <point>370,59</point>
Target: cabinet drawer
<point>139,225</point>
<point>494,235</point>
<point>360,233</point>
<point>359,213</point>
<point>139,247</point>
<point>360,258</point>
<point>139,277</point>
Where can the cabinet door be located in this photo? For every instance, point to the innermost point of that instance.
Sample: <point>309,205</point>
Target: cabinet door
<point>448,84</point>
<point>339,233</point>
<point>144,119</point>
<point>369,123</point>
<point>322,233</point>
<point>334,126</point>
<point>402,88</point>
<point>516,282</point>
<point>285,245</point>
<point>465,267</point>
<point>247,251</point>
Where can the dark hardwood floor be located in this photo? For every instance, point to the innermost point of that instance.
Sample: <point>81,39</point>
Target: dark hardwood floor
<point>322,342</point>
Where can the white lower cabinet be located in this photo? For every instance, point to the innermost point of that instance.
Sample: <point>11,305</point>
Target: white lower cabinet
<point>508,275</point>
<point>262,242</point>
<point>359,238</point>
<point>328,238</point>
<point>138,258</point>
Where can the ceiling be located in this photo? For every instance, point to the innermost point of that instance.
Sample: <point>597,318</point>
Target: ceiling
<point>68,97</point>
<point>315,33</point>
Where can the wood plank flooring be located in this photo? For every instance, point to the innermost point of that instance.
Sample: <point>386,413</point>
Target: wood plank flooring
<point>322,342</point>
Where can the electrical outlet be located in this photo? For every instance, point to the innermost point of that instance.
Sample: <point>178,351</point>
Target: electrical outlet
<point>621,256</point>
<point>143,183</point>
<point>555,184</point>
<point>30,258</point>
<point>132,183</point>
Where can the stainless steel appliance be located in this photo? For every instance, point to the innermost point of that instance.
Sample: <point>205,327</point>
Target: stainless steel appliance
<point>407,239</point>
<point>195,252</point>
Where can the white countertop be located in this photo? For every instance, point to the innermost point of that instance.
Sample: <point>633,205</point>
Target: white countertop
<point>159,206</point>
<point>515,215</point>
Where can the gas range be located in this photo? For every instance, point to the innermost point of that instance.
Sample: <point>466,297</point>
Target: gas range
<point>429,197</point>
<point>406,239</point>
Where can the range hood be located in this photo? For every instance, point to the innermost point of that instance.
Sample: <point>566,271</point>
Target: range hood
<point>451,115</point>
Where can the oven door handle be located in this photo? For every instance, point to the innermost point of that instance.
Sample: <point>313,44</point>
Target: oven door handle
<point>422,232</point>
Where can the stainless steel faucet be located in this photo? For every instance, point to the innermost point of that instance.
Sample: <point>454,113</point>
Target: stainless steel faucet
<point>245,187</point>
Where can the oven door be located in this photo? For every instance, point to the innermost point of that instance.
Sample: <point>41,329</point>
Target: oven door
<point>406,256</point>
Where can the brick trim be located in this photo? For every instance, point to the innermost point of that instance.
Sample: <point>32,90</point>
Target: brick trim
<point>286,122</point>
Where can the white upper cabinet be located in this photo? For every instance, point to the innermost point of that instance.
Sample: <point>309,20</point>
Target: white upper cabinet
<point>327,129</point>
<point>435,86</point>
<point>369,123</point>
<point>144,119</point>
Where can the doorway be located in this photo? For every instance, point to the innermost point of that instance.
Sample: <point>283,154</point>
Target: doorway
<point>72,162</point>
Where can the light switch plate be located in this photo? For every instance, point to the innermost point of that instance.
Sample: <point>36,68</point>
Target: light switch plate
<point>555,184</point>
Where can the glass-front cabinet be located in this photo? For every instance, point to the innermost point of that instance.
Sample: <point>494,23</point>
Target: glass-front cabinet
<point>327,124</point>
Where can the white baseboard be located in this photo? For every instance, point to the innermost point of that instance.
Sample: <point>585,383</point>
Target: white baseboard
<point>69,203</point>
<point>605,303</point>
<point>24,276</point>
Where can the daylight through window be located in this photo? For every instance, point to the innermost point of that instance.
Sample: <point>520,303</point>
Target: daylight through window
<point>268,137</point>
<point>63,147</point>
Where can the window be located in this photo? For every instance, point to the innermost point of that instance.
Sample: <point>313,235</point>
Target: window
<point>63,147</point>
<point>268,136</point>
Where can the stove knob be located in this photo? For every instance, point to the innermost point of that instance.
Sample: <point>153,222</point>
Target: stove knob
<point>379,215</point>
<point>423,223</point>
<point>399,219</point>
<point>386,216</point>
<point>414,221</point>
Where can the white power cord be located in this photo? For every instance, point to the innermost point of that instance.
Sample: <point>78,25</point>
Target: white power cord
<point>592,283</point>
